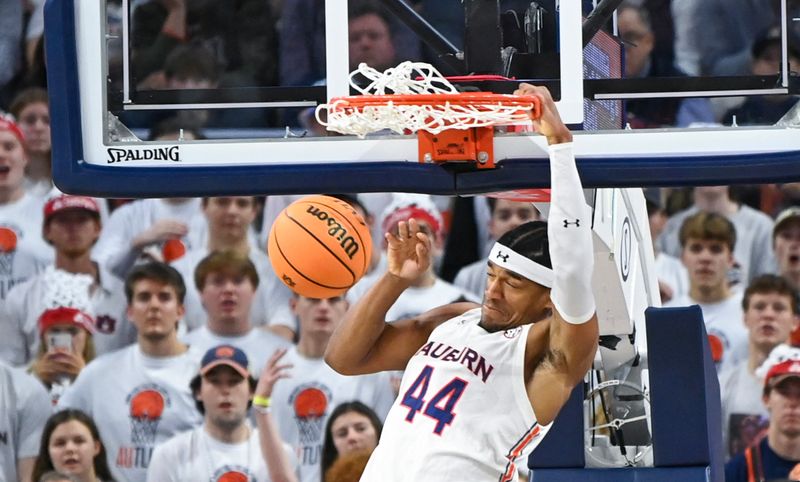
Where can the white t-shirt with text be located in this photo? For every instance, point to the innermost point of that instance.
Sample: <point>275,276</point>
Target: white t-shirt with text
<point>138,401</point>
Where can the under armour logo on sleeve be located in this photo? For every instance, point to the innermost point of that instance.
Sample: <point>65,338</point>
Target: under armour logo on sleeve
<point>577,223</point>
<point>502,256</point>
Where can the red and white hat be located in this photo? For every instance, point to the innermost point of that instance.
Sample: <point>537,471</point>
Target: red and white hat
<point>406,206</point>
<point>64,315</point>
<point>781,371</point>
<point>64,202</point>
<point>7,124</point>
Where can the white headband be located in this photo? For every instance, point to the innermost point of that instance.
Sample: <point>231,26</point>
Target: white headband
<point>509,259</point>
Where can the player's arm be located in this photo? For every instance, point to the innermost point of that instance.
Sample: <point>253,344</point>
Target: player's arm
<point>573,334</point>
<point>364,342</point>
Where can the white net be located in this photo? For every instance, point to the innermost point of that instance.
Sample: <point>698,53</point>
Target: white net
<point>413,78</point>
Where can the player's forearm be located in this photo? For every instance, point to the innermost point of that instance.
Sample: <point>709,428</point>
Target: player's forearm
<point>363,325</point>
<point>570,235</point>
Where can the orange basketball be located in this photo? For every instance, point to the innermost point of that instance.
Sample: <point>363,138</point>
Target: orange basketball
<point>319,246</point>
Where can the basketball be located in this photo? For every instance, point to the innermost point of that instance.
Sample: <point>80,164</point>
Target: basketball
<point>319,246</point>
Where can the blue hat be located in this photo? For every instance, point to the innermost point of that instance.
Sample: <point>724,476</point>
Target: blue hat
<point>225,355</point>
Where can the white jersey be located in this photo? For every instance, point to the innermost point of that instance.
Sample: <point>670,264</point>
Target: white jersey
<point>25,217</point>
<point>24,409</point>
<point>132,219</point>
<point>302,403</point>
<point>138,402</point>
<point>270,304</point>
<point>197,456</point>
<point>463,409</point>
<point>725,322</point>
<point>19,329</point>
<point>257,344</point>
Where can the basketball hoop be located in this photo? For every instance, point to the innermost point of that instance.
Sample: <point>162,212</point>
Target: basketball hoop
<point>415,97</point>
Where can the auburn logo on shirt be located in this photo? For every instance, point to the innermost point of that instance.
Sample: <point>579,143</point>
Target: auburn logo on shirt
<point>105,324</point>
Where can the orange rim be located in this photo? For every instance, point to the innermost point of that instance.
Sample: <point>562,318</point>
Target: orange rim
<point>466,98</point>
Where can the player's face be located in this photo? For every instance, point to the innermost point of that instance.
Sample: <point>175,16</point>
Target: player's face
<point>770,319</point>
<point>318,315</point>
<point>73,232</point>
<point>507,215</point>
<point>225,394</point>
<point>12,160</point>
<point>227,297</point>
<point>511,300</point>
<point>154,309</point>
<point>787,248</point>
<point>352,432</point>
<point>230,217</point>
<point>707,261</point>
<point>73,449</point>
<point>783,405</point>
<point>34,121</point>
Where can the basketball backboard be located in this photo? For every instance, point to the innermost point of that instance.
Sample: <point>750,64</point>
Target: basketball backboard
<point>103,107</point>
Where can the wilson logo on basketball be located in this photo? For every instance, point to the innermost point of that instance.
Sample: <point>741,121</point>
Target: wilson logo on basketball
<point>336,231</point>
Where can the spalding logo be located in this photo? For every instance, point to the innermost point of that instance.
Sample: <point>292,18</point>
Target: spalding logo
<point>336,231</point>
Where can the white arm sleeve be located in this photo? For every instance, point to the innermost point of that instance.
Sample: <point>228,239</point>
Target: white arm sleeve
<point>569,231</point>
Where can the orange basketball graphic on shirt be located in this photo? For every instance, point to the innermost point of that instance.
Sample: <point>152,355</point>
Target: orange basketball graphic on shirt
<point>232,477</point>
<point>717,348</point>
<point>8,240</point>
<point>147,404</point>
<point>172,250</point>
<point>310,403</point>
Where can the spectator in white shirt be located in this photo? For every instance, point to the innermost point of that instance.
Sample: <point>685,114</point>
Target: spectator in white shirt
<point>770,314</point>
<point>24,408</point>
<point>226,446</point>
<point>228,282</point>
<point>141,393</point>
<point>229,226</point>
<point>71,225</point>
<point>708,242</point>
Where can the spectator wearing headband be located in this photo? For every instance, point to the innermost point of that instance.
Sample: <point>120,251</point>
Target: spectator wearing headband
<point>20,210</point>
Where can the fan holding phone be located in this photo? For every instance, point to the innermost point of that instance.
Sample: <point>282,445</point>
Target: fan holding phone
<point>66,347</point>
<point>65,329</point>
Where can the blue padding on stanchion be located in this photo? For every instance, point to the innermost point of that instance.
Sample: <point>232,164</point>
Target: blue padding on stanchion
<point>684,391</point>
<point>563,445</point>
<point>672,474</point>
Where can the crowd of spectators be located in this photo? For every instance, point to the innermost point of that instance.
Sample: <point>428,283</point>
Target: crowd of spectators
<point>163,344</point>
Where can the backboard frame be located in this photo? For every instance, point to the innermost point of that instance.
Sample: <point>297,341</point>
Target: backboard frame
<point>605,159</point>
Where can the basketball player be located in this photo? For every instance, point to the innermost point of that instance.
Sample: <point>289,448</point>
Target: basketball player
<point>482,384</point>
